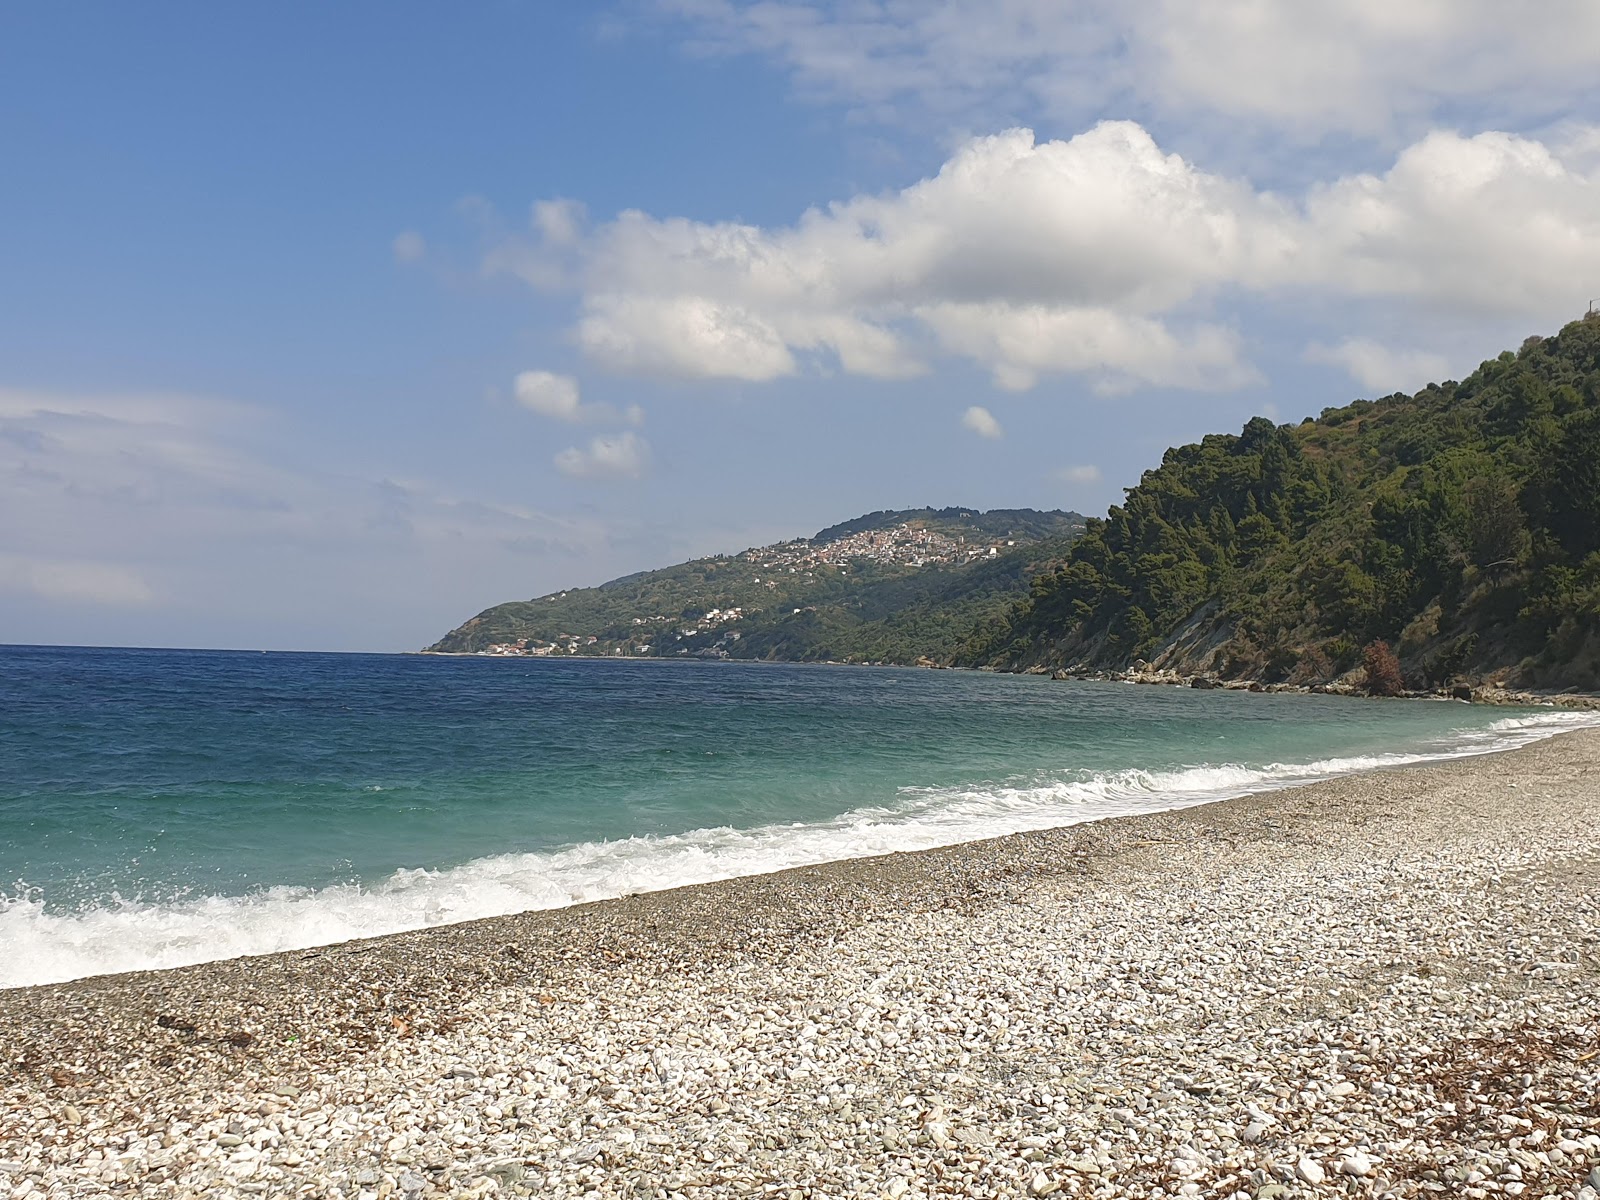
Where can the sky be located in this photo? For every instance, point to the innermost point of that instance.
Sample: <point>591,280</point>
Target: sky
<point>328,326</point>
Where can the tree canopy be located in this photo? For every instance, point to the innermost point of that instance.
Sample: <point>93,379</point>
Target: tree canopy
<point>1461,524</point>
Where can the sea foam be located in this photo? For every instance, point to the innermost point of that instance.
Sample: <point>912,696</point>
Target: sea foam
<point>47,946</point>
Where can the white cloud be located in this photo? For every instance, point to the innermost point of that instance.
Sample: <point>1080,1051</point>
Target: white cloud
<point>1363,67</point>
<point>1379,368</point>
<point>1366,66</point>
<point>1019,343</point>
<point>620,456</point>
<point>559,397</point>
<point>1083,475</point>
<point>684,337</point>
<point>1102,256</point>
<point>560,222</point>
<point>982,422</point>
<point>1492,224</point>
<point>409,247</point>
<point>1086,241</point>
<point>549,395</point>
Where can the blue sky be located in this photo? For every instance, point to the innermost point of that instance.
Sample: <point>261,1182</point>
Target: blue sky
<point>328,326</point>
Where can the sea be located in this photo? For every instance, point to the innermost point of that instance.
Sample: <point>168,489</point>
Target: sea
<point>166,807</point>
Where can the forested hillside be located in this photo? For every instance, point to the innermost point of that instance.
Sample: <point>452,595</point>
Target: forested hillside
<point>894,587</point>
<point>1461,524</point>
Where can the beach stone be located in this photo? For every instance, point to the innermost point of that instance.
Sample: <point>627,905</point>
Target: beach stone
<point>1355,1164</point>
<point>508,1172</point>
<point>1310,1170</point>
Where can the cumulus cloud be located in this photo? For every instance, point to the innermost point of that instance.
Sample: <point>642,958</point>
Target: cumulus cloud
<point>1380,368</point>
<point>1018,343</point>
<point>684,337</point>
<point>1102,255</point>
<point>1372,68</point>
<point>559,397</point>
<point>409,247</point>
<point>1082,475</point>
<point>622,456</point>
<point>1492,224</point>
<point>1083,242</point>
<point>549,395</point>
<point>982,422</point>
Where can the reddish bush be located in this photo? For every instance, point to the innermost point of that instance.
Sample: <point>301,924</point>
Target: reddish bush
<point>1383,676</point>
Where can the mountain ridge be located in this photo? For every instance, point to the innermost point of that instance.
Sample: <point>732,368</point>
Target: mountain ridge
<point>894,586</point>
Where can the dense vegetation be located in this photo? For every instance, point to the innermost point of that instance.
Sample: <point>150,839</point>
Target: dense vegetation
<point>863,611</point>
<point>1461,524</point>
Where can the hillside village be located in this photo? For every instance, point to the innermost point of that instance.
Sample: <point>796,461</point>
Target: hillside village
<point>905,545</point>
<point>650,632</point>
<point>900,545</point>
<point>844,593</point>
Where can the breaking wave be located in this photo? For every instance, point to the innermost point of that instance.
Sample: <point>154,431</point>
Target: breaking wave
<point>47,947</point>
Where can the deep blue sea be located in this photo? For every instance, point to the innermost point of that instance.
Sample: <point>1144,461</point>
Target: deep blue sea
<point>160,807</point>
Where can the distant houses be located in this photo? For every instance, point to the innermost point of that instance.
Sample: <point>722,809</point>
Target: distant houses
<point>707,634</point>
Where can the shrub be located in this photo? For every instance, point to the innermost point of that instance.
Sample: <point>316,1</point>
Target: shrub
<point>1383,676</point>
<point>1342,653</point>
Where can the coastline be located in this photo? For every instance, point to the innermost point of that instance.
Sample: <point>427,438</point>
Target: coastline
<point>1481,692</point>
<point>1372,921</point>
<point>1490,693</point>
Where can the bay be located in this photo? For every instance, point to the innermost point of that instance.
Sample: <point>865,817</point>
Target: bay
<point>160,807</point>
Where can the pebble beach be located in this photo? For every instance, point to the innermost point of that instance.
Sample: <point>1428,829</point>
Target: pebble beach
<point>1382,985</point>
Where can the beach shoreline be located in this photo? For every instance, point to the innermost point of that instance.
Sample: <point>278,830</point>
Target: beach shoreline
<point>1479,691</point>
<point>361,1027</point>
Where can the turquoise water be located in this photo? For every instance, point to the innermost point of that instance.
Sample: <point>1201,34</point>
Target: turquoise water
<point>161,807</point>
